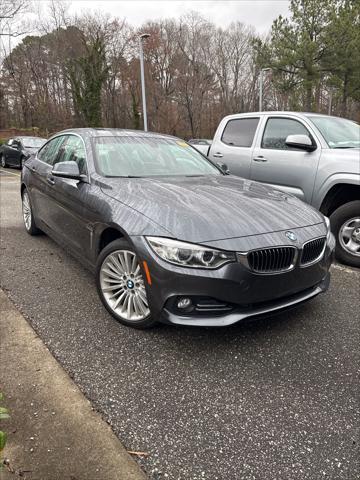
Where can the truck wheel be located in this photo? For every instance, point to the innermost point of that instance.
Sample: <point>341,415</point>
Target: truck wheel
<point>345,225</point>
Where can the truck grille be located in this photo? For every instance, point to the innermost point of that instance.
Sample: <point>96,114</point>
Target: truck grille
<point>312,251</point>
<point>270,260</point>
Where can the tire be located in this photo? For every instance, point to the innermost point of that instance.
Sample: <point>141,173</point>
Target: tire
<point>118,269</point>
<point>345,225</point>
<point>28,217</point>
<point>3,161</point>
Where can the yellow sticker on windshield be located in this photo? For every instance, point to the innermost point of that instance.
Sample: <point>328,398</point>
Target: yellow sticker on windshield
<point>182,144</point>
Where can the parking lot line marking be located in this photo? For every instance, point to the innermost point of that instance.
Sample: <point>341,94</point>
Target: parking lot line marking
<point>11,173</point>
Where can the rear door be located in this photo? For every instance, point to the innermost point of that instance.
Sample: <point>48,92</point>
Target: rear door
<point>233,144</point>
<point>289,169</point>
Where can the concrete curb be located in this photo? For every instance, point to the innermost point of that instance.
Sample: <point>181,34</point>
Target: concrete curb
<point>53,433</point>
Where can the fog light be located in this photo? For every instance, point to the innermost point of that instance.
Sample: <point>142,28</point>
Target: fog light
<point>184,303</point>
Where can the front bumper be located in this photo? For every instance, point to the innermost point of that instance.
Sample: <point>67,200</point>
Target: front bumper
<point>245,293</point>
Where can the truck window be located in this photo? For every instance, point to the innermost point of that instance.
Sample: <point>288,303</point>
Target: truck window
<point>276,131</point>
<point>240,132</point>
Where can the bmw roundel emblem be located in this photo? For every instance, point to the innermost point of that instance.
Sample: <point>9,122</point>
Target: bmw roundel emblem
<point>291,236</point>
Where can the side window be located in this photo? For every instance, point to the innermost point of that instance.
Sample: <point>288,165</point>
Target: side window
<point>276,131</point>
<point>240,132</point>
<point>50,150</point>
<point>73,150</point>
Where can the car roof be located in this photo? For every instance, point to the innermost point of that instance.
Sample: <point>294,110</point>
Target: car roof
<point>113,132</point>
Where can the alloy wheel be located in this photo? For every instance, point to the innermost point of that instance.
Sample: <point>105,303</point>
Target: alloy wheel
<point>26,208</point>
<point>123,287</point>
<point>349,236</point>
<point>3,163</point>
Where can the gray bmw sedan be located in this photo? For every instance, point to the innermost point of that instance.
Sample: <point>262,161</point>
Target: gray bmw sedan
<point>171,236</point>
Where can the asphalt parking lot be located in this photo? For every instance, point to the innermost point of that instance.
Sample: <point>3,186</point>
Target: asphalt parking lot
<point>273,399</point>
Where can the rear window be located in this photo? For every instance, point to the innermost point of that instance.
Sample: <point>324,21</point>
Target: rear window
<point>240,132</point>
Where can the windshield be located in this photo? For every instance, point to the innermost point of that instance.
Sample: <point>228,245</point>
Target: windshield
<point>33,142</point>
<point>338,132</point>
<point>149,157</point>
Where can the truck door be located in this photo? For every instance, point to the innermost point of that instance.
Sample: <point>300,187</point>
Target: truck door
<point>281,166</point>
<point>233,144</point>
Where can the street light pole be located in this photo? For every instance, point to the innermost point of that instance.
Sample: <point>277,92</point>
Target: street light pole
<point>143,94</point>
<point>330,102</point>
<point>261,86</point>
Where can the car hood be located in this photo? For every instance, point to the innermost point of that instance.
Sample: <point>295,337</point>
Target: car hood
<point>200,209</point>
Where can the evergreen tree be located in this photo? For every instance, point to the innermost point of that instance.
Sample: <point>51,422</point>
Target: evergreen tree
<point>342,57</point>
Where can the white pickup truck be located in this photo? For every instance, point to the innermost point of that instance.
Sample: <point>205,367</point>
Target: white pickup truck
<point>315,157</point>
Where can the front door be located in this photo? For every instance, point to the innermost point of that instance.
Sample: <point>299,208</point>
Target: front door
<point>71,217</point>
<point>283,167</point>
<point>40,166</point>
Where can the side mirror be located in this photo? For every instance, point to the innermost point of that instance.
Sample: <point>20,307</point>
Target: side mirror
<point>224,168</point>
<point>300,141</point>
<point>67,170</point>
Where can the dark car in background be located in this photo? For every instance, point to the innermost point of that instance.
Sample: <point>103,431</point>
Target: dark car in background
<point>18,149</point>
<point>169,235</point>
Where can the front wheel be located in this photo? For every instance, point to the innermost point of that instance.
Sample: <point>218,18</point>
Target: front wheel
<point>28,216</point>
<point>121,285</point>
<point>345,225</point>
<point>3,161</point>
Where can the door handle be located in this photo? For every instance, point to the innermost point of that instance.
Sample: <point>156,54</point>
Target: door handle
<point>260,158</point>
<point>218,155</point>
<point>32,168</point>
<point>50,180</point>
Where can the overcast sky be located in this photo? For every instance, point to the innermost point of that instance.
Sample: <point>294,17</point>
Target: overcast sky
<point>259,13</point>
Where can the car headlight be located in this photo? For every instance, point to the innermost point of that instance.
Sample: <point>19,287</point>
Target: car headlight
<point>189,254</point>
<point>328,227</point>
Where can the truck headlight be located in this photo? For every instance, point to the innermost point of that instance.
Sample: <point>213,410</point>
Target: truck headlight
<point>189,254</point>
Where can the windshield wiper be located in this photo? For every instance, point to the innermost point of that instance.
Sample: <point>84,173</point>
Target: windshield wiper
<point>123,176</point>
<point>343,147</point>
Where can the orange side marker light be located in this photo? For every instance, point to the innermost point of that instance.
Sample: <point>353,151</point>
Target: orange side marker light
<point>147,272</point>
